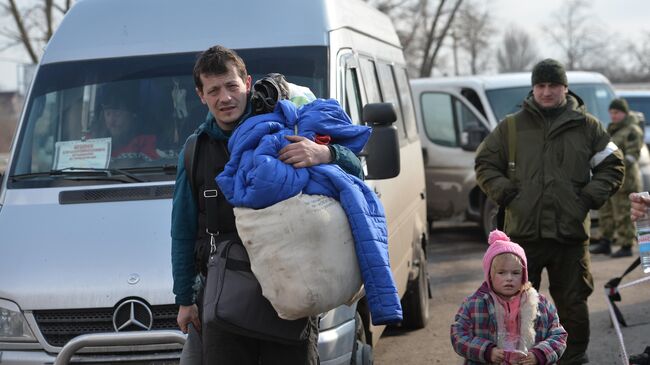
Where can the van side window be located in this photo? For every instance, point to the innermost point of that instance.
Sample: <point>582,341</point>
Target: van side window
<point>389,91</point>
<point>444,118</point>
<point>406,100</point>
<point>438,116</point>
<point>352,95</point>
<point>472,97</point>
<point>369,74</point>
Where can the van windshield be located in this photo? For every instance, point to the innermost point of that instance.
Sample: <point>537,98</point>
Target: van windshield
<point>596,97</point>
<point>129,114</point>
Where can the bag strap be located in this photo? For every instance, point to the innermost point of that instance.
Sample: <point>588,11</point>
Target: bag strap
<point>512,145</point>
<point>211,191</point>
<point>189,157</point>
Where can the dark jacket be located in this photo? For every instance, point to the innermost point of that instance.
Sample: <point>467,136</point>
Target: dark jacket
<point>628,136</point>
<point>564,167</point>
<point>185,215</point>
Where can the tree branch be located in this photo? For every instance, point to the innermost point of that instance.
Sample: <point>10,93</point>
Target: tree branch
<point>442,36</point>
<point>23,32</point>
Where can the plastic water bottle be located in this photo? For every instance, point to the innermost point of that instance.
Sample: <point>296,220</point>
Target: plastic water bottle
<point>643,236</point>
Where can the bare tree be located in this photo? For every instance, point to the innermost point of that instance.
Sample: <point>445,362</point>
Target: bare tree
<point>640,53</point>
<point>33,22</point>
<point>434,38</point>
<point>422,26</point>
<point>577,34</point>
<point>474,29</point>
<point>517,52</point>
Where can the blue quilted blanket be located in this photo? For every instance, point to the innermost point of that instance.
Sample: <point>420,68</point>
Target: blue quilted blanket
<point>254,177</point>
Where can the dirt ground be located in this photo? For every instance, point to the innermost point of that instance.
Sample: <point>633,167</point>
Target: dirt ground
<point>455,270</point>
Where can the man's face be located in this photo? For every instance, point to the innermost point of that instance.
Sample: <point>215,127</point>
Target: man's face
<point>549,95</point>
<point>616,115</point>
<point>225,95</point>
<point>118,121</point>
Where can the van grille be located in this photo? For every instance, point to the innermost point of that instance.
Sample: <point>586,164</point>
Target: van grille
<point>60,326</point>
<point>116,194</point>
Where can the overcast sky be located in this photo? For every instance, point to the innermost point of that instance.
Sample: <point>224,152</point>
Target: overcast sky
<point>627,18</point>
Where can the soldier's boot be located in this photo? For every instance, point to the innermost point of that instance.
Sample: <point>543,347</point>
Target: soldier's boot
<point>625,251</point>
<point>603,246</point>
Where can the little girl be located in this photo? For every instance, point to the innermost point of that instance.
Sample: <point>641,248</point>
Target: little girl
<point>506,321</point>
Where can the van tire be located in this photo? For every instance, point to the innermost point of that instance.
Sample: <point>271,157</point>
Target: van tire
<point>416,300</point>
<point>362,353</point>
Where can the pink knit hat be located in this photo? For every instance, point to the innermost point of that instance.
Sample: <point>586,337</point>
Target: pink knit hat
<point>500,243</point>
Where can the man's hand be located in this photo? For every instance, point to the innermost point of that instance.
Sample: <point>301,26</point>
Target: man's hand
<point>303,152</point>
<point>639,206</point>
<point>188,314</point>
<point>497,356</point>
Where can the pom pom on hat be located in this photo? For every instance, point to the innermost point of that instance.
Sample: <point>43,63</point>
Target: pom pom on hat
<point>500,243</point>
<point>496,236</point>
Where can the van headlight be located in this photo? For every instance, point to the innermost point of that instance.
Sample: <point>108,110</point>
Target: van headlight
<point>13,326</point>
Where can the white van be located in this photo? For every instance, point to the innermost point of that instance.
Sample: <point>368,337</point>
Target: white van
<point>456,113</point>
<point>85,248</point>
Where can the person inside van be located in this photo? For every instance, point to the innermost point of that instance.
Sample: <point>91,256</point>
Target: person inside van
<point>119,120</point>
<point>224,86</point>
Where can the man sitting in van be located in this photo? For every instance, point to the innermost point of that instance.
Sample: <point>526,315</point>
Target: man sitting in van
<point>120,121</point>
<point>223,84</point>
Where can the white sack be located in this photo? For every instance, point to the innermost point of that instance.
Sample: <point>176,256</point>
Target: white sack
<point>302,252</point>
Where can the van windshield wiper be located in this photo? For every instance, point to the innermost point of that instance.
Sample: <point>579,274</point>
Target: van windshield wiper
<point>84,173</point>
<point>165,169</point>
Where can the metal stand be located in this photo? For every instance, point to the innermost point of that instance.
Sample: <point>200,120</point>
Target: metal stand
<point>623,357</point>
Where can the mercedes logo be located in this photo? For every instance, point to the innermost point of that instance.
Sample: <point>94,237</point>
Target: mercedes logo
<point>132,315</point>
<point>133,279</point>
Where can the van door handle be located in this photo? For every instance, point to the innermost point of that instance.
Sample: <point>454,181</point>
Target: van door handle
<point>425,155</point>
<point>376,192</point>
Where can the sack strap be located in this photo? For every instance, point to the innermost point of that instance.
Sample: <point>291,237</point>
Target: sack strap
<point>512,146</point>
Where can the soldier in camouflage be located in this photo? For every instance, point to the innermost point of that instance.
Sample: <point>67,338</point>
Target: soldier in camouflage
<point>614,216</point>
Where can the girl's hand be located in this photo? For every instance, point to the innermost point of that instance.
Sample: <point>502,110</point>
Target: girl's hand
<point>497,356</point>
<point>530,359</point>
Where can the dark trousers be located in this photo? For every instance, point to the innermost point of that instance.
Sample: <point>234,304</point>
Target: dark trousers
<point>221,347</point>
<point>570,284</point>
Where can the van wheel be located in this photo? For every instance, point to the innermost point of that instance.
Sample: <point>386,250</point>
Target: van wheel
<point>416,300</point>
<point>362,354</point>
<point>489,216</point>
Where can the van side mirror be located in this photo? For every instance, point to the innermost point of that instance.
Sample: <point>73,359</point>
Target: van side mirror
<point>382,150</point>
<point>472,136</point>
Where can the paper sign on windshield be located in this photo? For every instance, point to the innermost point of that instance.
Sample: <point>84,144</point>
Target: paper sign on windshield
<point>91,153</point>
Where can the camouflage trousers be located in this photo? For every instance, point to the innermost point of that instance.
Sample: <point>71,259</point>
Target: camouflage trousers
<point>614,217</point>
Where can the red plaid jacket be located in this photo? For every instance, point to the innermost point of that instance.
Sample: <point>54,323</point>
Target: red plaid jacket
<point>475,329</point>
